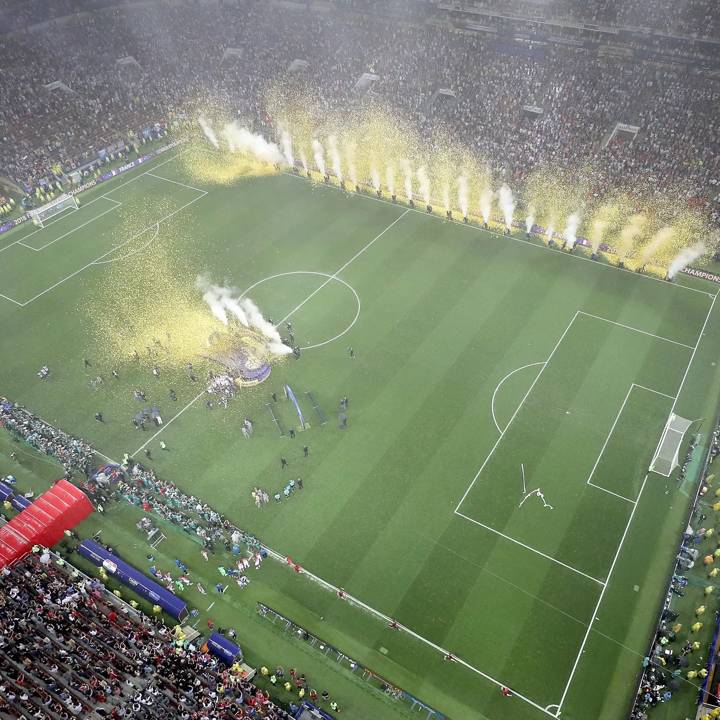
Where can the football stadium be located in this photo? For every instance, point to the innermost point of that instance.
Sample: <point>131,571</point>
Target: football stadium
<point>359,359</point>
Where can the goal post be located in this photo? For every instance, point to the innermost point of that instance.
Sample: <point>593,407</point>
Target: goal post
<point>667,454</point>
<point>60,204</point>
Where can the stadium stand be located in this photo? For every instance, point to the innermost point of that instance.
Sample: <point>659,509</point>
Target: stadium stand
<point>584,85</point>
<point>70,652</point>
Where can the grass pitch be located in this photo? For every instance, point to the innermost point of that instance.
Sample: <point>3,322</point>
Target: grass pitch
<point>491,491</point>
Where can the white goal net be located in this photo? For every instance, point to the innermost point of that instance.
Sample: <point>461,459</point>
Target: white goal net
<point>40,216</point>
<point>666,457</point>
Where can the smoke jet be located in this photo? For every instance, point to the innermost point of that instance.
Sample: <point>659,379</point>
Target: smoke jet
<point>424,182</point>
<point>335,157</point>
<point>209,132</point>
<point>573,222</point>
<point>242,140</point>
<point>319,156</point>
<point>463,199</point>
<point>486,199</point>
<point>224,306</point>
<point>507,205</point>
<point>530,219</point>
<point>407,171</point>
<point>286,142</point>
<point>684,258</point>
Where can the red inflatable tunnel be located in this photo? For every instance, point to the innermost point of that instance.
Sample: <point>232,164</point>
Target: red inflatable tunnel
<point>44,522</point>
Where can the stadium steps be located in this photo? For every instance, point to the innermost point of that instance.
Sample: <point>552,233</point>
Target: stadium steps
<point>33,685</point>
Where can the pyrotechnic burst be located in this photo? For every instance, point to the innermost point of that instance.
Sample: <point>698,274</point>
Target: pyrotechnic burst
<point>376,149</point>
<point>207,166</point>
<point>150,304</point>
<point>555,196</point>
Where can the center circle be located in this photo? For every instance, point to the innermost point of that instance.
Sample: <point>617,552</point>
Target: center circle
<point>318,274</point>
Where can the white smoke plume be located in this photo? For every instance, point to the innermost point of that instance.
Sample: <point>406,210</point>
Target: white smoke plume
<point>463,196</point>
<point>407,171</point>
<point>375,177</point>
<point>319,156</point>
<point>274,344</point>
<point>571,227</point>
<point>209,132</point>
<point>286,142</point>
<point>335,157</point>
<point>684,258</point>
<point>240,139</point>
<point>424,182</point>
<point>225,305</point>
<point>549,233</point>
<point>390,178</point>
<point>530,219</point>
<point>507,205</point>
<point>303,161</point>
<point>486,201</point>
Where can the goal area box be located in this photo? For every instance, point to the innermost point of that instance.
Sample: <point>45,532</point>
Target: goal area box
<point>40,216</point>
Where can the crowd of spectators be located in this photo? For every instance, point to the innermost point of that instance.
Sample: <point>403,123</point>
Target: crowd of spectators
<point>692,18</point>
<point>179,62</point>
<point>141,487</point>
<point>68,652</point>
<point>74,454</point>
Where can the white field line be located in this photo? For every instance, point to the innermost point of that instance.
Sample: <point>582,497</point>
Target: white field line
<point>175,182</point>
<point>657,392</point>
<point>684,377</point>
<point>5,297</point>
<point>609,435</point>
<point>104,196</point>
<point>290,314</point>
<point>115,206</point>
<point>528,547</point>
<point>133,252</point>
<point>387,619</point>
<point>602,451</point>
<point>50,222</point>
<point>600,599</point>
<point>97,260</point>
<point>499,385</point>
<point>514,238</point>
<point>514,415</point>
<point>502,434</point>
<point>632,514</point>
<point>320,274</point>
<point>340,269</point>
<point>637,330</point>
<point>597,317</point>
<point>60,217</point>
<point>169,422</point>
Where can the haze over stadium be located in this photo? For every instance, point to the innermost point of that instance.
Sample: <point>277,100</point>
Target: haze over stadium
<point>360,359</point>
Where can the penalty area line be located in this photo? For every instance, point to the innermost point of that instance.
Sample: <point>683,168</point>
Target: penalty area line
<point>529,547</point>
<point>600,599</point>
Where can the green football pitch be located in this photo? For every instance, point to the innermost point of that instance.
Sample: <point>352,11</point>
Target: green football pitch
<point>491,491</point>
